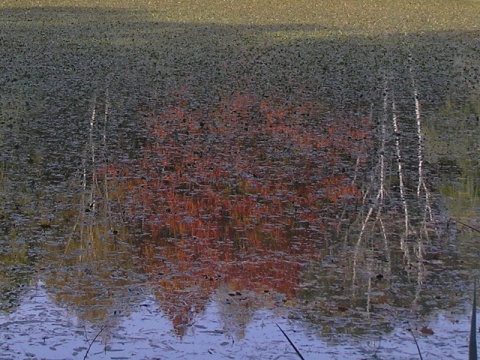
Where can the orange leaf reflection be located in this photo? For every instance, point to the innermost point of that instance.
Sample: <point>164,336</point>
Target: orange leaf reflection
<point>239,194</point>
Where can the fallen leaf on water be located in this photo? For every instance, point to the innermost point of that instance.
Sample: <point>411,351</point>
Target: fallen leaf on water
<point>426,331</point>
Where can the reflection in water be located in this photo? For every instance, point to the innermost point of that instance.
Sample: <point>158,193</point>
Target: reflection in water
<point>398,242</point>
<point>247,195</point>
<point>241,194</point>
<point>254,204</point>
<point>22,227</point>
<point>145,334</point>
<point>456,161</point>
<point>265,199</point>
<point>258,203</point>
<point>453,145</point>
<point>92,270</point>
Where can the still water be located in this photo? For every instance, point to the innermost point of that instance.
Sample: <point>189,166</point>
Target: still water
<point>187,184</point>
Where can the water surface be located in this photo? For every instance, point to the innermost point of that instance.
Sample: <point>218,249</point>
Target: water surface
<point>176,181</point>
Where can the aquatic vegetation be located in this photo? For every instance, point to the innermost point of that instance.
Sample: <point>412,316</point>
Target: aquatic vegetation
<point>224,166</point>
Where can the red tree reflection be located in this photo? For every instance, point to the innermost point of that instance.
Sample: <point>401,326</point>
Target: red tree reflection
<point>239,193</point>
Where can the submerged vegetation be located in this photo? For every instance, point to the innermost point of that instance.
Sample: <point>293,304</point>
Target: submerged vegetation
<point>307,164</point>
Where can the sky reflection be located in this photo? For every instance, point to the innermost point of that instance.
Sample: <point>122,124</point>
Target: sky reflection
<point>40,329</point>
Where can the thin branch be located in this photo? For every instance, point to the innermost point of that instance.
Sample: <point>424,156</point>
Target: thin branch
<point>472,352</point>
<point>106,113</point>
<point>92,148</point>
<point>416,343</point>
<point>400,168</point>
<point>418,117</point>
<point>382,191</point>
<point>291,343</point>
<point>466,225</point>
<point>359,241</point>
<point>95,338</point>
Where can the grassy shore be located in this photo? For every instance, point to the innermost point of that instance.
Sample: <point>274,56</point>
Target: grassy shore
<point>351,15</point>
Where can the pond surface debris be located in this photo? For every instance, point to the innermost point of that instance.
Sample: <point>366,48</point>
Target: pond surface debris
<point>226,179</point>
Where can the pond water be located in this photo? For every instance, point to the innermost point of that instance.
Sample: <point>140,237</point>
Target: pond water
<point>219,179</point>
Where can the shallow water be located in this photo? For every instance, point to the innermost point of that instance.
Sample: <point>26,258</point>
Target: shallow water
<point>40,328</point>
<point>175,183</point>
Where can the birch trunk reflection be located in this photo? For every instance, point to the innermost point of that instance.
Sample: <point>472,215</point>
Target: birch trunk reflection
<point>93,269</point>
<point>395,226</point>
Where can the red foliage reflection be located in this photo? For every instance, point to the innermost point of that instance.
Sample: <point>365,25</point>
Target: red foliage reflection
<point>238,193</point>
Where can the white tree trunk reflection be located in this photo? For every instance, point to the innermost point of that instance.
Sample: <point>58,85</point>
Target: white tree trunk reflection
<point>397,202</point>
